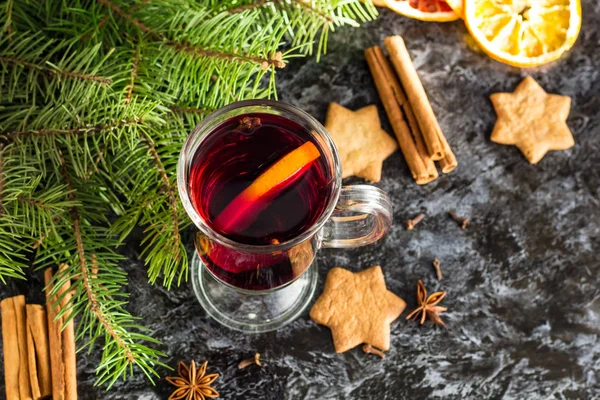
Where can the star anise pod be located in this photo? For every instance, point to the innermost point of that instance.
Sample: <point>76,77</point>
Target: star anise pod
<point>428,306</point>
<point>192,384</point>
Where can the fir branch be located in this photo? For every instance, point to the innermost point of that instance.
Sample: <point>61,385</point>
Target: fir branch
<point>156,245</point>
<point>93,291</point>
<point>252,6</point>
<point>12,239</point>
<point>103,21</point>
<point>88,127</point>
<point>100,128</point>
<point>42,209</point>
<point>192,110</point>
<point>168,187</point>
<point>132,9</point>
<point>97,161</point>
<point>129,89</point>
<point>69,183</point>
<point>308,22</point>
<point>195,50</point>
<point>307,5</point>
<point>49,230</point>
<point>50,71</point>
<point>117,10</point>
<point>139,5</point>
<point>2,208</point>
<point>36,70</point>
<point>8,25</point>
<point>265,63</point>
<point>12,249</point>
<point>34,203</point>
<point>263,3</point>
<point>93,302</point>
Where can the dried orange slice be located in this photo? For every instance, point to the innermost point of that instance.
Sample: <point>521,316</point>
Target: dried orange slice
<point>424,10</point>
<point>457,6</point>
<point>244,207</point>
<point>524,33</point>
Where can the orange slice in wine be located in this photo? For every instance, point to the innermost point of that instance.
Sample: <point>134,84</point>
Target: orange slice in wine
<point>242,210</point>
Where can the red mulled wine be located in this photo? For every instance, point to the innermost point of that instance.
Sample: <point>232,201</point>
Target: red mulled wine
<point>258,179</point>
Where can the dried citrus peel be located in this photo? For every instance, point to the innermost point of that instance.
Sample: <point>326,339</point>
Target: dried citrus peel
<point>424,10</point>
<point>526,33</point>
<point>239,213</point>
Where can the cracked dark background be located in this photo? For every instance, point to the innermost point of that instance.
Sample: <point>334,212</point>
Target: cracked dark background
<point>523,280</point>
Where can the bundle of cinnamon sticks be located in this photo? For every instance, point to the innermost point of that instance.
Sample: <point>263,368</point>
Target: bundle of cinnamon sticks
<point>39,348</point>
<point>420,137</point>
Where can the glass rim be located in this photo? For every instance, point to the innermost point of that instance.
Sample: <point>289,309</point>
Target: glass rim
<point>202,224</point>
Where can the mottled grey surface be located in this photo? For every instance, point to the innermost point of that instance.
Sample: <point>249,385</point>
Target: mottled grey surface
<point>523,280</point>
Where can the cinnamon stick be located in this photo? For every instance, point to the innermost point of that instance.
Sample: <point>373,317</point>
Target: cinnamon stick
<point>68,340</point>
<point>24,384</point>
<point>448,163</point>
<point>393,99</point>
<point>38,352</point>
<point>62,339</point>
<point>33,374</point>
<point>417,97</point>
<point>10,344</point>
<point>55,341</point>
<point>419,141</point>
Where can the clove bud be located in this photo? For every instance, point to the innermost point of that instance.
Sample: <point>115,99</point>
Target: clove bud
<point>249,361</point>
<point>249,124</point>
<point>438,271</point>
<point>411,223</point>
<point>462,222</point>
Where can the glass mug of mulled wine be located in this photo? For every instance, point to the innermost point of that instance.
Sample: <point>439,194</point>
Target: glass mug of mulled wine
<point>261,180</point>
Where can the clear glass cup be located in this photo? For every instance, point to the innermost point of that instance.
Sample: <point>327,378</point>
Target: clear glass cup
<point>354,216</point>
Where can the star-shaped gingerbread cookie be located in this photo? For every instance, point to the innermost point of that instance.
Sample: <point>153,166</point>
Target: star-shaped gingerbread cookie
<point>357,308</point>
<point>532,120</point>
<point>361,142</point>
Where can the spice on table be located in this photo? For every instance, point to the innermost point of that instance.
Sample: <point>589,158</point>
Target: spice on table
<point>10,343</point>
<point>462,222</point>
<point>409,111</point>
<point>433,136</point>
<point>249,361</point>
<point>14,337</point>
<point>38,351</point>
<point>367,348</point>
<point>411,223</point>
<point>192,384</point>
<point>401,117</point>
<point>68,340</point>
<point>61,338</point>
<point>428,306</point>
<point>438,271</point>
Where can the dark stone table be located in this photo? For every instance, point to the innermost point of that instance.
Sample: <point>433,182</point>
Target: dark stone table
<point>523,280</point>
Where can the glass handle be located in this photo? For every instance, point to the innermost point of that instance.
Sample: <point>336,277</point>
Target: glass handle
<point>362,216</point>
